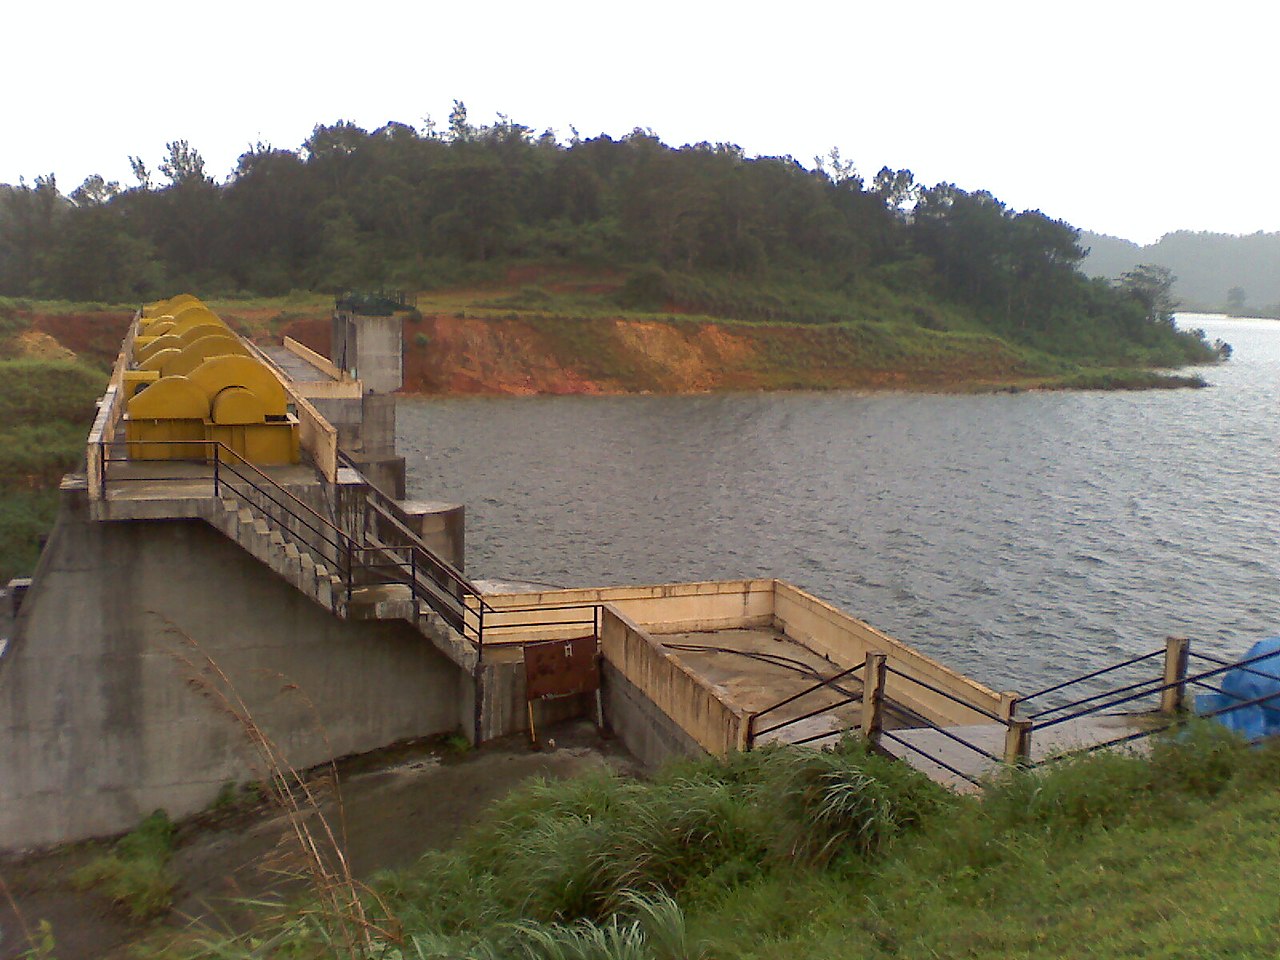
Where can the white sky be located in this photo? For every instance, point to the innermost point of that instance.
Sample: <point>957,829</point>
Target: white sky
<point>1129,118</point>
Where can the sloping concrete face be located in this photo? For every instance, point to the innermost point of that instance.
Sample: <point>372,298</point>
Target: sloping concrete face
<point>109,693</point>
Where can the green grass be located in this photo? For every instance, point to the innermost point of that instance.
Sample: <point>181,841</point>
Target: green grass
<point>135,873</point>
<point>1125,379</point>
<point>16,304</point>
<point>46,409</point>
<point>790,854</point>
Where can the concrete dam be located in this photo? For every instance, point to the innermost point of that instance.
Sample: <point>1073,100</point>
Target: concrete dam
<point>236,562</point>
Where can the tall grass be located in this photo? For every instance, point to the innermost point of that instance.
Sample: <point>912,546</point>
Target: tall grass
<point>792,853</point>
<point>340,914</point>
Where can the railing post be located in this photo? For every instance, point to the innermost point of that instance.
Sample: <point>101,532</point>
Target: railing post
<point>217,460</point>
<point>1017,742</point>
<point>413,583</point>
<point>1174,695</point>
<point>1009,701</point>
<point>350,569</point>
<point>873,674</point>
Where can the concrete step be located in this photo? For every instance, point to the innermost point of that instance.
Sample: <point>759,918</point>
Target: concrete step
<point>392,601</point>
<point>290,564</point>
<point>274,546</point>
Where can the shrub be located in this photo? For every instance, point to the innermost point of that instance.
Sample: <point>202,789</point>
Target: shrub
<point>136,873</point>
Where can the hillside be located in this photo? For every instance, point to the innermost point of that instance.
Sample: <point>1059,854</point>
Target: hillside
<point>1208,267</point>
<point>556,329</point>
<point>901,271</point>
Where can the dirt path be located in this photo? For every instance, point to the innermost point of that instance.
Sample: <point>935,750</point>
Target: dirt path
<point>396,805</point>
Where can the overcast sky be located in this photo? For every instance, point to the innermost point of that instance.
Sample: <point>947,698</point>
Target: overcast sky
<point>1129,118</point>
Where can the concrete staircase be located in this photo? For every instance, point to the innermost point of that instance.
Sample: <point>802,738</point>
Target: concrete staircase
<point>292,561</point>
<point>320,581</point>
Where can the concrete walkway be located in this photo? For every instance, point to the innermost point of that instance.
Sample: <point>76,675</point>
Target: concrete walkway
<point>296,368</point>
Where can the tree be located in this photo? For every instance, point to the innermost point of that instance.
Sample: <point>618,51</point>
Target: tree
<point>1151,286</point>
<point>897,188</point>
<point>95,191</point>
<point>30,217</point>
<point>183,166</point>
<point>459,130</point>
<point>838,170</point>
<point>140,172</point>
<point>1235,301</point>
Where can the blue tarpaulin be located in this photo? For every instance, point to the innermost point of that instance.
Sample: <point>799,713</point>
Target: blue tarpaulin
<point>1242,684</point>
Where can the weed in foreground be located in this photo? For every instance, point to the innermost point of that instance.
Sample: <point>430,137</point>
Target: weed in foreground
<point>342,916</point>
<point>136,874</point>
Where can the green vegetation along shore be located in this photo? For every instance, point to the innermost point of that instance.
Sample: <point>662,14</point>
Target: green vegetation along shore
<point>46,407</point>
<point>790,853</point>
<point>900,268</point>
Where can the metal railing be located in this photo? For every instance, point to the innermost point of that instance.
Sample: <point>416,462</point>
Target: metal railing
<point>231,473</point>
<point>831,683</point>
<point>872,674</point>
<point>360,557</point>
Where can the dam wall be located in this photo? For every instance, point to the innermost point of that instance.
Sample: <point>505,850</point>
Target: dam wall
<point>149,655</point>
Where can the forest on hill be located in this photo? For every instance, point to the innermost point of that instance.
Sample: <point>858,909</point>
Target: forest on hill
<point>703,226</point>
<point>1216,272</point>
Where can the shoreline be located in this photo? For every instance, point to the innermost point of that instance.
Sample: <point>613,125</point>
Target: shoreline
<point>1106,380</point>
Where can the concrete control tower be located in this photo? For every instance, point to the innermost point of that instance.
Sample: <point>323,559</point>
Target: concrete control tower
<point>367,345</point>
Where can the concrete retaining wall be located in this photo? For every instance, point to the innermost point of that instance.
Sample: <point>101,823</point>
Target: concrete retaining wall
<point>102,716</point>
<point>845,641</point>
<point>665,608</point>
<point>703,712</point>
<point>650,735</point>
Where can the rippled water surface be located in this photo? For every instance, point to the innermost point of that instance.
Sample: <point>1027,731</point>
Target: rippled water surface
<point>1018,537</point>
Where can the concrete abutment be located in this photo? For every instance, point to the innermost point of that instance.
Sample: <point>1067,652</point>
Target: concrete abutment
<point>111,692</point>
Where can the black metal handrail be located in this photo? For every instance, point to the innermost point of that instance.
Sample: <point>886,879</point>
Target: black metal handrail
<point>821,684</point>
<point>1140,734</point>
<point>328,533</point>
<point>1227,663</point>
<point>928,756</point>
<point>1099,696</point>
<point>470,600</point>
<point>1090,676</point>
<point>804,716</point>
<point>1180,682</point>
<point>347,549</point>
<point>493,629</point>
<point>921,721</point>
<point>981,711</point>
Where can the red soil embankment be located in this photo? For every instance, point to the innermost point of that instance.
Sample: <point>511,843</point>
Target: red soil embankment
<point>523,355</point>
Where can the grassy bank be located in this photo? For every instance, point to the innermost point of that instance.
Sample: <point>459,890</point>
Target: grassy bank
<point>785,853</point>
<point>46,407</point>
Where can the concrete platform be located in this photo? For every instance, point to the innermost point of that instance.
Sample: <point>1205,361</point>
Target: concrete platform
<point>759,667</point>
<point>180,479</point>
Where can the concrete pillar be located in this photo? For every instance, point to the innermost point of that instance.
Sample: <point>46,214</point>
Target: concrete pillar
<point>1173,696</point>
<point>873,674</point>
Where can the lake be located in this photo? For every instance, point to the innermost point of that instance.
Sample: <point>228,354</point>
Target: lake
<point>1019,538</point>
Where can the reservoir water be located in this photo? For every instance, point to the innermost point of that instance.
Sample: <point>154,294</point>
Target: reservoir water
<point>1020,538</point>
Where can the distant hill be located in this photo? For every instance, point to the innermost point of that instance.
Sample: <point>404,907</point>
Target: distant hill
<point>1207,265</point>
